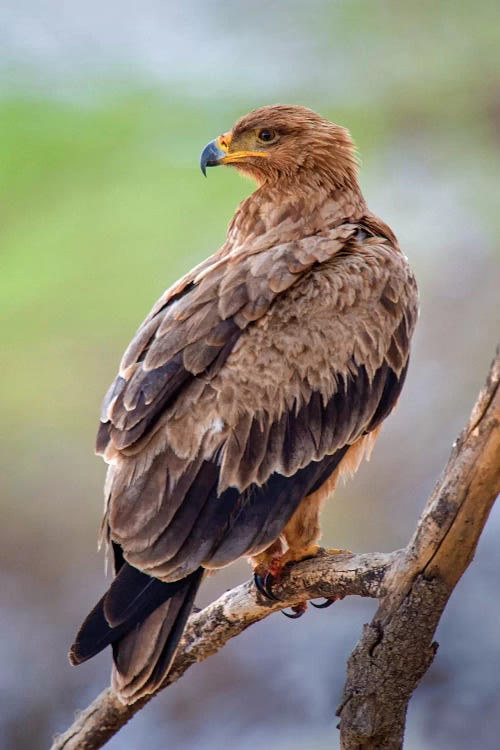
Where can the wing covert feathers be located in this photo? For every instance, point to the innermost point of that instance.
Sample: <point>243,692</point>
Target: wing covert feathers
<point>191,332</point>
<point>321,368</point>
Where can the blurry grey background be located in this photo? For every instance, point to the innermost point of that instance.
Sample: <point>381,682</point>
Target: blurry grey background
<point>104,108</point>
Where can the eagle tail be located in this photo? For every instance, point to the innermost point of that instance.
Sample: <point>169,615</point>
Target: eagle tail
<point>143,619</point>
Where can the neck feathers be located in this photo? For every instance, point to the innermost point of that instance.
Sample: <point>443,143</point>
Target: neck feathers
<point>291,215</point>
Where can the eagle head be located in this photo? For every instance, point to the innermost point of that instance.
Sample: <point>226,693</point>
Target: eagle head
<point>282,144</point>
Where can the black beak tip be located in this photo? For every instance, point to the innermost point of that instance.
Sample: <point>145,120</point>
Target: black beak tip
<point>210,156</point>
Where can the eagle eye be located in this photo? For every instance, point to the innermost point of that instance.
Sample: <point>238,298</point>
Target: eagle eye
<point>266,135</point>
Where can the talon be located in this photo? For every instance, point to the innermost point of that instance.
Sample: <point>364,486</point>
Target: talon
<point>263,586</point>
<point>327,603</point>
<point>292,615</point>
<point>297,611</point>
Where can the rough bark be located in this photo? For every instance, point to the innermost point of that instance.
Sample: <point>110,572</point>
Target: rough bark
<point>396,649</point>
<point>413,586</point>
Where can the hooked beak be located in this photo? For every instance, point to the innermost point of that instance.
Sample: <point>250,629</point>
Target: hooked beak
<point>214,152</point>
<point>217,152</point>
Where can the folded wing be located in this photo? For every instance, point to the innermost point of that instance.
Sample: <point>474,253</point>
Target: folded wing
<point>210,456</point>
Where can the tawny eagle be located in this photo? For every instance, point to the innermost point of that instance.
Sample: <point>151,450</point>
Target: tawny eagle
<point>254,383</point>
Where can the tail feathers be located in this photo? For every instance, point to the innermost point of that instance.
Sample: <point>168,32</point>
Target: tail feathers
<point>143,618</point>
<point>143,657</point>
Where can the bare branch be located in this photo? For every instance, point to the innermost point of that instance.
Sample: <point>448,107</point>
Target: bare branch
<point>413,586</point>
<point>396,649</point>
<point>209,630</point>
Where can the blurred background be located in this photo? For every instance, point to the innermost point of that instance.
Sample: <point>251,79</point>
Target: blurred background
<point>104,109</point>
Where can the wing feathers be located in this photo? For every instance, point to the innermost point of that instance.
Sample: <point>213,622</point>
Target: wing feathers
<point>228,484</point>
<point>192,331</point>
<point>153,393</point>
<point>274,465</point>
<point>139,345</point>
<point>180,530</point>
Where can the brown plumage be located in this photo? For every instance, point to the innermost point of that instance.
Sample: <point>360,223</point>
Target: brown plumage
<point>255,381</point>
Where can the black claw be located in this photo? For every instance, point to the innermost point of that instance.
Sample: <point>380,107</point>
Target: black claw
<point>259,584</point>
<point>263,586</point>
<point>294,615</point>
<point>325,604</point>
<point>268,582</point>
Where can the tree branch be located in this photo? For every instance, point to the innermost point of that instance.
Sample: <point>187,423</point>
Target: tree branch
<point>413,586</point>
<point>396,649</point>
